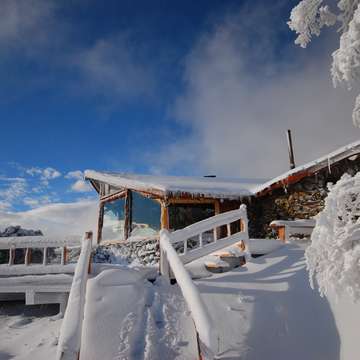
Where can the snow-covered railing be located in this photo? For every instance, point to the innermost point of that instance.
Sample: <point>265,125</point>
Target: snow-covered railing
<point>201,229</point>
<point>287,228</point>
<point>71,328</point>
<point>208,340</point>
<point>28,244</point>
<point>172,264</point>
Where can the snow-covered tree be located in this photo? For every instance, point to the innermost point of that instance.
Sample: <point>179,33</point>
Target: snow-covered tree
<point>310,16</point>
<point>333,258</point>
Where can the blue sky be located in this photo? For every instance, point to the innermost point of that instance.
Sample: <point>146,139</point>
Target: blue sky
<point>161,87</point>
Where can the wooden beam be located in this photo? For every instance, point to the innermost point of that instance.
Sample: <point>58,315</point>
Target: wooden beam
<point>192,201</point>
<point>100,222</point>
<point>113,197</point>
<point>128,213</point>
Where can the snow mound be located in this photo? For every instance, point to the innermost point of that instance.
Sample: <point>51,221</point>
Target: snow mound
<point>333,258</point>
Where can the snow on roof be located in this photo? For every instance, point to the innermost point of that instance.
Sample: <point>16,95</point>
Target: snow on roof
<point>310,168</point>
<point>212,187</point>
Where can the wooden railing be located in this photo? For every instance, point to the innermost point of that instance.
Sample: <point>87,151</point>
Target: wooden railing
<point>71,328</point>
<point>28,244</point>
<point>172,264</point>
<point>212,228</point>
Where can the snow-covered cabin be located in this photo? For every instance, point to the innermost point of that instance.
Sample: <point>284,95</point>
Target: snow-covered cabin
<point>300,193</point>
<point>140,205</point>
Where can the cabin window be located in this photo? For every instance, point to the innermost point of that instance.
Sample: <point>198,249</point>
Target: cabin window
<point>145,216</point>
<point>182,215</point>
<point>114,220</point>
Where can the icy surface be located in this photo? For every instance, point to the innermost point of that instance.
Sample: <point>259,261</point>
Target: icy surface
<point>206,186</point>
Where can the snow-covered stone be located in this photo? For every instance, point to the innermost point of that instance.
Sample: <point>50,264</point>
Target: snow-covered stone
<point>17,230</point>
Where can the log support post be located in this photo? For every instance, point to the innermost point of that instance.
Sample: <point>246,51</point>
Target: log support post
<point>100,221</point>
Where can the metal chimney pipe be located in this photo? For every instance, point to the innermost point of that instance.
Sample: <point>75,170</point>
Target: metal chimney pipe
<point>291,150</point>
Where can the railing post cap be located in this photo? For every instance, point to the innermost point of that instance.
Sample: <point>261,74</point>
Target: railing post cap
<point>88,235</point>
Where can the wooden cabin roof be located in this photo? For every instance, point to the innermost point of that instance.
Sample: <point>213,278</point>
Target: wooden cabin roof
<point>309,169</point>
<point>171,186</point>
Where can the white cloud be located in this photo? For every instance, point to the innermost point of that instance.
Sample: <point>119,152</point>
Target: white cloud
<point>81,186</point>
<point>240,97</point>
<point>45,174</point>
<point>15,188</point>
<point>38,201</point>
<point>61,218</point>
<point>76,174</point>
<point>23,23</point>
<point>113,68</point>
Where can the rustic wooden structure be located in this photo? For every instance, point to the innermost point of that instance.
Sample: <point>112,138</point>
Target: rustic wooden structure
<point>204,196</point>
<point>300,193</point>
<point>296,194</point>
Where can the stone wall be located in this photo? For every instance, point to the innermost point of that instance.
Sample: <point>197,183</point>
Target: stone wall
<point>301,200</point>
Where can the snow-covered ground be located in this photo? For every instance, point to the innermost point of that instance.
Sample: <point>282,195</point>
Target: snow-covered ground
<point>264,310</point>
<point>127,317</point>
<point>267,310</point>
<point>28,332</point>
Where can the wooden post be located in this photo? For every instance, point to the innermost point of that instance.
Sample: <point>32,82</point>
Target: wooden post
<point>27,256</point>
<point>282,233</point>
<point>63,255</point>
<point>291,150</point>
<point>228,229</point>
<point>201,240</point>
<point>45,256</point>
<point>100,222</point>
<point>88,237</point>
<point>11,256</point>
<point>128,211</point>
<point>164,216</point>
<point>215,231</point>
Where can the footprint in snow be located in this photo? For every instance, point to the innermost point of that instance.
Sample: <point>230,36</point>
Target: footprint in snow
<point>20,323</point>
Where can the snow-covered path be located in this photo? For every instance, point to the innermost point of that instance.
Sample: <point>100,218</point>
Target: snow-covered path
<point>267,310</point>
<point>127,317</point>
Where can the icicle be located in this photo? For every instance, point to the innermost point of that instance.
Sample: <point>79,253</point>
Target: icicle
<point>329,165</point>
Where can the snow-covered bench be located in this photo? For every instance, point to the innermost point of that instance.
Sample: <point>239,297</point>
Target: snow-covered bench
<point>44,278</point>
<point>287,228</point>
